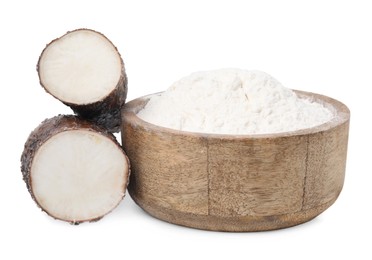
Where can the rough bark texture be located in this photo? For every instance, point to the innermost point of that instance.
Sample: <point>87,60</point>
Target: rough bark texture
<point>46,130</point>
<point>236,183</point>
<point>105,112</point>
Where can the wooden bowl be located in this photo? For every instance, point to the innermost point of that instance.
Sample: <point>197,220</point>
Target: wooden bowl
<point>236,182</point>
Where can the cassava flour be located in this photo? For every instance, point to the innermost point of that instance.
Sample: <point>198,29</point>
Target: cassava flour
<point>232,101</point>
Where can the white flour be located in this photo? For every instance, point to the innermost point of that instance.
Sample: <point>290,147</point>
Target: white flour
<point>232,101</point>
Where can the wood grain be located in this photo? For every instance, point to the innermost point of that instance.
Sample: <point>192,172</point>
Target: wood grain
<point>256,177</point>
<point>176,170</point>
<point>236,183</point>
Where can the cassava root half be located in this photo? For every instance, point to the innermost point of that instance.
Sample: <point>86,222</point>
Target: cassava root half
<point>74,170</point>
<point>85,71</point>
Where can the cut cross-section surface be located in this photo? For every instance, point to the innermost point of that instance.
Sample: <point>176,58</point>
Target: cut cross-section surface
<point>74,171</point>
<point>84,70</point>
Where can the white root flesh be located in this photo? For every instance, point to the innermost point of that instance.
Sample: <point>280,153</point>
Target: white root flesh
<point>85,71</point>
<point>80,68</point>
<point>78,175</point>
<point>74,170</point>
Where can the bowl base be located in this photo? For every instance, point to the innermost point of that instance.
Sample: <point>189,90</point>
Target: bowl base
<point>231,224</point>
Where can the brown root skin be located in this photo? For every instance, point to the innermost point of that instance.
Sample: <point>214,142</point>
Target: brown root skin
<point>47,129</point>
<point>105,112</point>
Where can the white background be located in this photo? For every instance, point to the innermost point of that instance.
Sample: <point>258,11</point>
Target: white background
<point>318,46</point>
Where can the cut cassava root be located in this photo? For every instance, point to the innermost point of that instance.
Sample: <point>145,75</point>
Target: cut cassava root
<point>85,71</point>
<point>74,170</point>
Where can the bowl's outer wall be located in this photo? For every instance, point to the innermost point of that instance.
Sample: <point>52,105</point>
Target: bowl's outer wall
<point>235,184</point>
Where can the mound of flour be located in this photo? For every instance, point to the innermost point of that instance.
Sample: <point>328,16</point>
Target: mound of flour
<point>232,101</point>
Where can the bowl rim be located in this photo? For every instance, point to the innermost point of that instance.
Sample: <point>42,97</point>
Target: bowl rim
<point>340,110</point>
